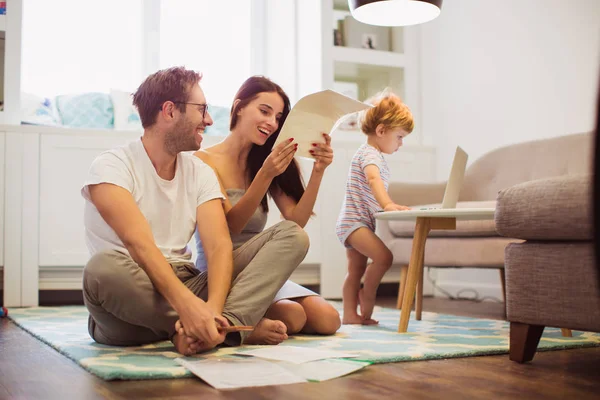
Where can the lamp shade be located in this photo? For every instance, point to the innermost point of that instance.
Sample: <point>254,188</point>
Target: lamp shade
<point>395,12</point>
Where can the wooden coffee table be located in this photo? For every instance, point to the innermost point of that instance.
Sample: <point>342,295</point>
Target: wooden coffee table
<point>426,220</point>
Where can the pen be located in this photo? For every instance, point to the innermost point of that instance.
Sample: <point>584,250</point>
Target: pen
<point>235,328</point>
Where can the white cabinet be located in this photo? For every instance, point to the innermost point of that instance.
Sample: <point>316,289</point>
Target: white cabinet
<point>64,163</point>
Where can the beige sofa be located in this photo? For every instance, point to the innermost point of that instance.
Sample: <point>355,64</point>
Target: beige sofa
<point>476,244</point>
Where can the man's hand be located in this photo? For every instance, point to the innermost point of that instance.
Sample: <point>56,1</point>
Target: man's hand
<point>395,207</point>
<point>200,322</point>
<point>188,345</point>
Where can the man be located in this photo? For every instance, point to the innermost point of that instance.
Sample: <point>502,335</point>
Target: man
<point>143,204</point>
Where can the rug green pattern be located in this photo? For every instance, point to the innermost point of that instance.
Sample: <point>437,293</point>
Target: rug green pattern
<point>436,336</point>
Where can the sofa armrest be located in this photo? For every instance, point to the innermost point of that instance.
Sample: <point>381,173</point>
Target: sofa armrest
<point>557,208</point>
<point>412,194</point>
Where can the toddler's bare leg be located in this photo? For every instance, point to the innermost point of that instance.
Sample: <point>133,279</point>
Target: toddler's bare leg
<point>367,243</point>
<point>357,264</point>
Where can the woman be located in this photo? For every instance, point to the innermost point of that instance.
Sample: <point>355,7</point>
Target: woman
<point>249,168</point>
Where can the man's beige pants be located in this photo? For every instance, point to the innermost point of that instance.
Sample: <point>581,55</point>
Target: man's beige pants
<point>126,309</point>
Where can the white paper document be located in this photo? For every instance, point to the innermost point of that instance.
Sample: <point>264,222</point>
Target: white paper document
<point>239,372</point>
<point>293,354</point>
<point>322,370</point>
<point>232,373</point>
<point>313,115</point>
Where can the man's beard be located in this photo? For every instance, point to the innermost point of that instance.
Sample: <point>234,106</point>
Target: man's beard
<point>181,138</point>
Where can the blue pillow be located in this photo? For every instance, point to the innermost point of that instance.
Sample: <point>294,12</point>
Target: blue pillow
<point>220,116</point>
<point>87,110</point>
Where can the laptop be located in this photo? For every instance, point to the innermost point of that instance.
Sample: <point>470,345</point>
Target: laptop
<point>455,181</point>
<point>450,200</point>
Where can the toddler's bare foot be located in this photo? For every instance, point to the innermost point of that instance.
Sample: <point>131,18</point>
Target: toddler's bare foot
<point>267,331</point>
<point>367,303</point>
<point>370,321</point>
<point>352,319</point>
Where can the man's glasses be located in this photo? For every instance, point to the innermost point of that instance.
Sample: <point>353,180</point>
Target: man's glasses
<point>203,105</point>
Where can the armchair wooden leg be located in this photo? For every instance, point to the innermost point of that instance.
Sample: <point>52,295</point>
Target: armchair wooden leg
<point>524,339</point>
<point>566,332</point>
<point>402,286</point>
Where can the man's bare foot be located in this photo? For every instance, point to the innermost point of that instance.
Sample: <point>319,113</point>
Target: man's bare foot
<point>267,331</point>
<point>367,303</point>
<point>187,345</point>
<point>352,319</point>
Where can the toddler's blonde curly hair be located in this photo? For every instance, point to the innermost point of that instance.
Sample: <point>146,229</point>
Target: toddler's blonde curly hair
<point>389,111</point>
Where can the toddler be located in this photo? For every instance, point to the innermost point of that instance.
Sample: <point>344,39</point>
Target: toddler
<point>385,125</point>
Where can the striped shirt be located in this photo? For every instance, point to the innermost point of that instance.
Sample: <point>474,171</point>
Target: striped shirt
<point>360,204</point>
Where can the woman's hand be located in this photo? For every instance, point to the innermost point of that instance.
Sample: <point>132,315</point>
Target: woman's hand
<point>323,154</point>
<point>281,156</point>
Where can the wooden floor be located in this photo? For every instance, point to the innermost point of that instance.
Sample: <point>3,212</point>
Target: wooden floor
<point>31,370</point>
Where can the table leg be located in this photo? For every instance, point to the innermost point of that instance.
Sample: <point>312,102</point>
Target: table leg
<point>422,228</point>
<point>403,273</point>
<point>419,299</point>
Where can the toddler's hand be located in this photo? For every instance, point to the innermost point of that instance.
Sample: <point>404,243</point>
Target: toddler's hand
<point>395,207</point>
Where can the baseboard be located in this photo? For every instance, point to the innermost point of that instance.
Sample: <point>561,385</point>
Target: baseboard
<point>469,290</point>
<point>69,278</point>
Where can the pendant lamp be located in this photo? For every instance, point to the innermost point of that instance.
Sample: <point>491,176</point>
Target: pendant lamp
<point>395,12</point>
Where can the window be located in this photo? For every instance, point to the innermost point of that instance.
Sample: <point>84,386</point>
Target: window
<point>212,37</point>
<point>72,47</point>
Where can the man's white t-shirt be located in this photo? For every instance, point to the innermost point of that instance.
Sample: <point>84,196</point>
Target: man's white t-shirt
<point>169,206</point>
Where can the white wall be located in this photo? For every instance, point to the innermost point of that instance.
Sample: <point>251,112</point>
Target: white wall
<point>502,72</point>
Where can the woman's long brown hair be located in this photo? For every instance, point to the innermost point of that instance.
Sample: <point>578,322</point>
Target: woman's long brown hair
<point>290,181</point>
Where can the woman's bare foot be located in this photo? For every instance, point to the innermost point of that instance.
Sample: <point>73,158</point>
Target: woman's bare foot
<point>367,303</point>
<point>267,331</point>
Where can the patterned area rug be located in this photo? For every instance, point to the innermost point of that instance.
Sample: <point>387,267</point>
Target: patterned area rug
<point>435,336</point>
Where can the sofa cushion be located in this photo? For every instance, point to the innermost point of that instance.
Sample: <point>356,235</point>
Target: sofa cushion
<point>478,228</point>
<point>475,252</point>
<point>556,208</point>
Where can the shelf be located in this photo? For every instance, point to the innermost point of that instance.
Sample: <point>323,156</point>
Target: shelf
<point>3,22</point>
<point>376,58</point>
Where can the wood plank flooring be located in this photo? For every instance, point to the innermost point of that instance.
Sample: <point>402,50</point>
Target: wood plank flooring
<point>31,370</point>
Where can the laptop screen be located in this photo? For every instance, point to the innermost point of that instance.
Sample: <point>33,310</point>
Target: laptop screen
<point>455,181</point>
